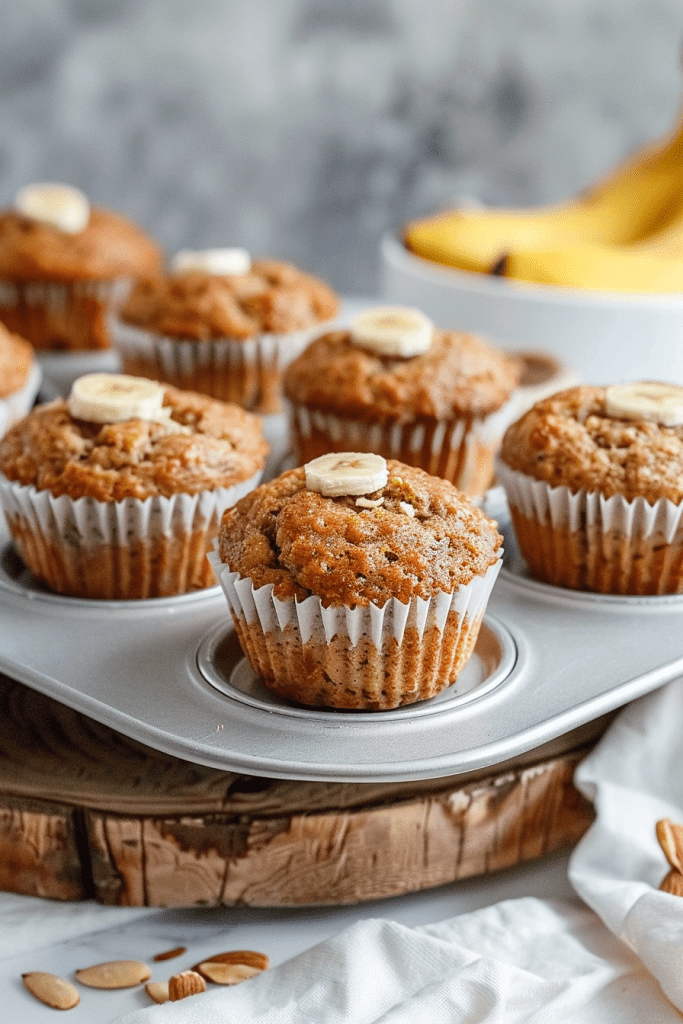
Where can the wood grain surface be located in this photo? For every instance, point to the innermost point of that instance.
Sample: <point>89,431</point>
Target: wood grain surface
<point>87,812</point>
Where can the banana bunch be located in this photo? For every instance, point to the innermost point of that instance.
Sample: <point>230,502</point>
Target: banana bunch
<point>624,234</point>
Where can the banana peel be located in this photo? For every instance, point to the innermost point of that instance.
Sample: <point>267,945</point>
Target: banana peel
<point>624,234</point>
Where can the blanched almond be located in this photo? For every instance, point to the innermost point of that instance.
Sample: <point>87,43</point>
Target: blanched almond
<point>114,974</point>
<point>158,991</point>
<point>170,954</point>
<point>187,983</point>
<point>51,990</point>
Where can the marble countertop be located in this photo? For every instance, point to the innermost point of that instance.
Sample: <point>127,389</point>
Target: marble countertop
<point>43,935</point>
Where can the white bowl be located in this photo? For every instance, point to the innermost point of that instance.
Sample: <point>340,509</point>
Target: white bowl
<point>605,336</point>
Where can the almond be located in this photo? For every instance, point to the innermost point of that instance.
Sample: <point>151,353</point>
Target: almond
<point>187,983</point>
<point>673,883</point>
<point>247,957</point>
<point>51,990</point>
<point>158,991</point>
<point>227,974</point>
<point>670,838</point>
<point>114,974</point>
<point>170,954</point>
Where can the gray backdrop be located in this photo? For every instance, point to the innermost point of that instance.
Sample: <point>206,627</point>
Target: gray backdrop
<point>304,128</point>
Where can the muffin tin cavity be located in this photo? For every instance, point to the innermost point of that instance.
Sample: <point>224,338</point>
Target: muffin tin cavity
<point>167,672</point>
<point>220,661</point>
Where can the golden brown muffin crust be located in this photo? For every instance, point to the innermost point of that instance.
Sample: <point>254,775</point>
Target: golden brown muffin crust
<point>110,246</point>
<point>218,445</point>
<point>305,543</point>
<point>16,358</point>
<point>458,376</point>
<point>568,439</point>
<point>274,297</point>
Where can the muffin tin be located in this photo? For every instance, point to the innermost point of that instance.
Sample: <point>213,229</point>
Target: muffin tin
<point>169,672</point>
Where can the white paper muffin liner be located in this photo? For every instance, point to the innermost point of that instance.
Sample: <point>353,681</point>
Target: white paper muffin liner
<point>62,316</point>
<point>588,541</point>
<point>246,371</point>
<point>15,406</point>
<point>133,548</point>
<point>356,650</point>
<point>459,450</point>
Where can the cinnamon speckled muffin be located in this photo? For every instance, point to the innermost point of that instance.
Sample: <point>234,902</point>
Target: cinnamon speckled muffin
<point>437,410</point>
<point>57,287</point>
<point>596,498</point>
<point>228,336</point>
<point>357,602</point>
<point>126,509</point>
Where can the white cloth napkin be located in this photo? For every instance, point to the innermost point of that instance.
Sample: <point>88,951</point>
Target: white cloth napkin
<point>635,777</point>
<point>523,960</point>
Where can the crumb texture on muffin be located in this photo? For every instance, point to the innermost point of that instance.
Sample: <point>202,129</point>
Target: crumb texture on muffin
<point>347,554</point>
<point>204,445</point>
<point>273,297</point>
<point>16,358</point>
<point>110,246</point>
<point>459,375</point>
<point>569,440</point>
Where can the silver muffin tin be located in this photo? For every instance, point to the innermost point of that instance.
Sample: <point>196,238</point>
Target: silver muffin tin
<point>169,672</point>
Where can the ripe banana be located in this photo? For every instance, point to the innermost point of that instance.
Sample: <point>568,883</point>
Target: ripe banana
<point>634,269</point>
<point>629,204</point>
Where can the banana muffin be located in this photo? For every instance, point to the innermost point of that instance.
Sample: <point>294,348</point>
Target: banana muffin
<point>118,491</point>
<point>63,264</point>
<point>357,583</point>
<point>223,326</point>
<point>431,398</point>
<point>594,479</point>
<point>19,378</point>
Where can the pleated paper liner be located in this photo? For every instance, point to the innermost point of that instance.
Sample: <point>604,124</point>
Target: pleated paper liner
<point>368,657</point>
<point>61,316</point>
<point>246,371</point>
<point>118,550</point>
<point>15,406</point>
<point>586,541</point>
<point>461,450</point>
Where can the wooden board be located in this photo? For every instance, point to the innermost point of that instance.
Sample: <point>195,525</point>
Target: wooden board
<point>87,812</point>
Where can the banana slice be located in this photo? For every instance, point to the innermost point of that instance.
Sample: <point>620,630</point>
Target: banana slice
<point>346,473</point>
<point>226,262</point>
<point>646,400</point>
<point>114,397</point>
<point>393,331</point>
<point>63,206</point>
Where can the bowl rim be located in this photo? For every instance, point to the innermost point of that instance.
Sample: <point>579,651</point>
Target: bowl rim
<point>395,254</point>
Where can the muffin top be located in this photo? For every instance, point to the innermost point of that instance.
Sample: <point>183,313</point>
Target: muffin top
<point>16,358</point>
<point>346,553</point>
<point>458,375</point>
<point>203,445</point>
<point>272,296</point>
<point>570,440</point>
<point>109,246</point>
